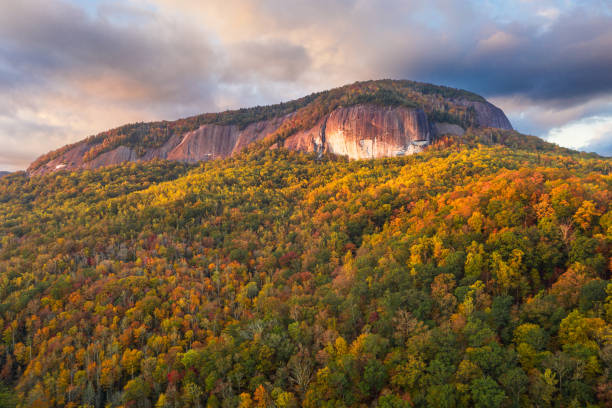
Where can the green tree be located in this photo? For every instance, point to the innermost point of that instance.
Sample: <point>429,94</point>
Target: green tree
<point>136,391</point>
<point>486,393</point>
<point>442,396</point>
<point>515,383</point>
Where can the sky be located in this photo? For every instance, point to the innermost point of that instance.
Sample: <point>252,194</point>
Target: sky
<point>73,68</point>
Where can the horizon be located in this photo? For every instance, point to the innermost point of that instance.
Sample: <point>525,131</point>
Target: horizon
<point>70,69</point>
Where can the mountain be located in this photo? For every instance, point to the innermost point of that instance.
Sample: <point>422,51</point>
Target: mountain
<point>473,274</point>
<point>363,120</point>
<point>4,173</point>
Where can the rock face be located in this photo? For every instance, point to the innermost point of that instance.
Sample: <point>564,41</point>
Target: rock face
<point>213,141</point>
<point>360,132</point>
<point>206,143</point>
<point>442,128</point>
<point>366,131</point>
<point>487,114</point>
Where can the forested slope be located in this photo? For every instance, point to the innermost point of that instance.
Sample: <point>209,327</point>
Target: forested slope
<point>468,275</point>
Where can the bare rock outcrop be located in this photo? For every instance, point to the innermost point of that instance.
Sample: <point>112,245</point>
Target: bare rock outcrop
<point>487,114</point>
<point>366,131</point>
<point>205,143</point>
<point>214,141</point>
<point>443,128</point>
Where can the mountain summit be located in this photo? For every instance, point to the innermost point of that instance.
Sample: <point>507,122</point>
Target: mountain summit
<point>362,120</point>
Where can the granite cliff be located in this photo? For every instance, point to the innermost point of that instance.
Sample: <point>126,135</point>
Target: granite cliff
<point>363,120</point>
<point>366,131</point>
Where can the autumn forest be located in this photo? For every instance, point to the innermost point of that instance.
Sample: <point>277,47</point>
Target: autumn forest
<point>474,274</point>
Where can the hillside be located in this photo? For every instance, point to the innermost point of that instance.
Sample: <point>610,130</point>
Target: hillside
<point>364,120</point>
<point>474,274</point>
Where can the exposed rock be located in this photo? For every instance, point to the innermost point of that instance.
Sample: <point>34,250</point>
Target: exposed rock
<point>205,143</point>
<point>365,131</point>
<point>214,141</point>
<point>440,129</point>
<point>311,140</point>
<point>487,114</point>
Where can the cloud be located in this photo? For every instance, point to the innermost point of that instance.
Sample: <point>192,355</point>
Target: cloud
<point>24,132</point>
<point>490,49</point>
<point>588,134</point>
<point>551,13</point>
<point>66,74</point>
<point>71,68</point>
<point>602,146</point>
<point>274,60</point>
<point>539,116</point>
<point>498,42</point>
<point>567,64</point>
<point>134,57</point>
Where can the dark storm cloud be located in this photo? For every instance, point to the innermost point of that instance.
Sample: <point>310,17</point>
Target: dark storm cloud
<point>551,51</point>
<point>568,62</point>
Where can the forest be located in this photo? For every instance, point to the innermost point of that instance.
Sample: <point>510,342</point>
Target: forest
<point>475,274</point>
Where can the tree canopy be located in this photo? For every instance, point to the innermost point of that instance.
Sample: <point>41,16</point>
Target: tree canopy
<point>468,275</point>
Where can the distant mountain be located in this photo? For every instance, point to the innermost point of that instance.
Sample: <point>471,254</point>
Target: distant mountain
<point>4,173</point>
<point>363,120</point>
